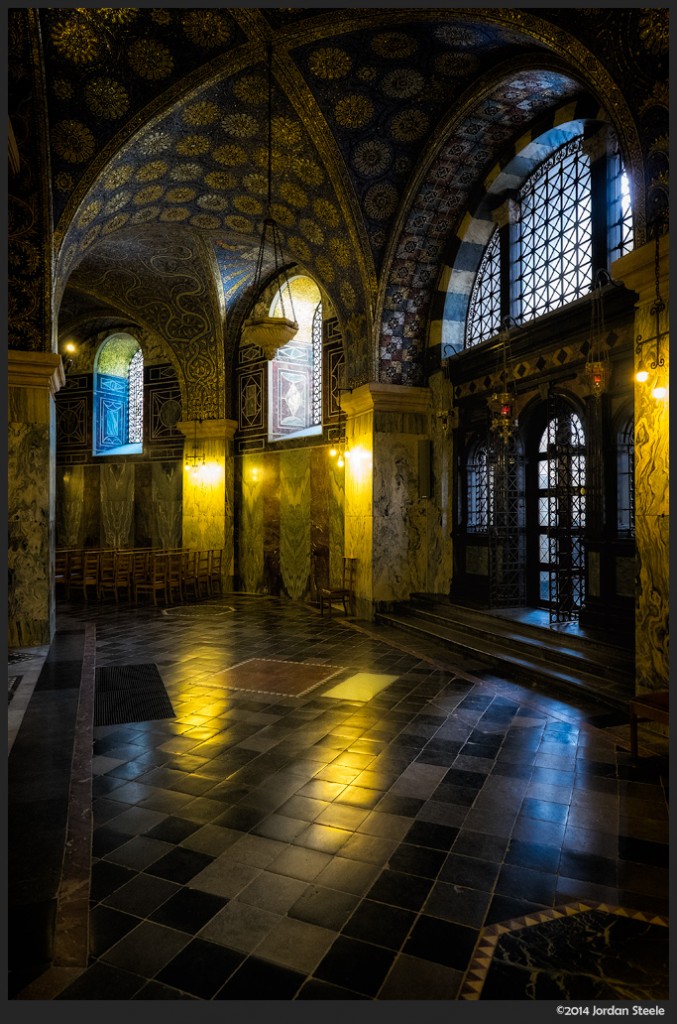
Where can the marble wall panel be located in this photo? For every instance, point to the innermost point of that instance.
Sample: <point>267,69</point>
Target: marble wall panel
<point>320,496</point>
<point>143,505</point>
<point>70,502</point>
<point>30,529</point>
<point>626,573</point>
<point>166,504</point>
<point>651,454</point>
<point>400,533</point>
<point>272,578</point>
<point>652,608</point>
<point>117,505</point>
<point>250,537</point>
<point>336,477</point>
<point>358,510</point>
<point>91,530</point>
<point>294,541</point>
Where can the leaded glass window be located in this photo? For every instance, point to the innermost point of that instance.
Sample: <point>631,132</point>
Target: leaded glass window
<point>621,240</point>
<point>484,311</point>
<point>625,480</point>
<point>480,489</point>
<point>136,399</point>
<point>554,234</point>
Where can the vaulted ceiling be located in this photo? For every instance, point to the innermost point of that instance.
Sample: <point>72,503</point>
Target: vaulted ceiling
<point>385,123</point>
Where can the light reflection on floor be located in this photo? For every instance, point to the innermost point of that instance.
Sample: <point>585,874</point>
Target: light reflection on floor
<point>361,686</point>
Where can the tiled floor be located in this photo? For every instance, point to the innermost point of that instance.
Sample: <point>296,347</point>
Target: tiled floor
<point>358,841</point>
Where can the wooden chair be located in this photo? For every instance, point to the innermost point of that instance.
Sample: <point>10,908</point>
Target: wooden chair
<point>654,706</point>
<point>175,574</point>
<point>330,594</point>
<point>89,577</point>
<point>189,574</point>
<point>124,574</point>
<point>215,563</point>
<point>76,560</point>
<point>155,582</point>
<point>106,573</point>
<point>61,559</point>
<point>202,573</point>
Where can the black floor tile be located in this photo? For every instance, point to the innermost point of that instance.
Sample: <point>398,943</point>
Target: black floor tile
<point>400,890</point>
<point>180,865</point>
<point>173,829</point>
<point>106,926</point>
<point>437,837</point>
<point>505,908</point>
<point>201,968</point>
<point>267,980</point>
<point>535,855</point>
<point>101,981</point>
<point>469,872</point>
<point>588,867</point>
<point>188,910</point>
<point>328,908</point>
<point>443,942</point>
<point>316,989</point>
<point>642,851</point>
<point>417,860</point>
<point>380,924</point>
<point>356,965</point>
<point>106,878</point>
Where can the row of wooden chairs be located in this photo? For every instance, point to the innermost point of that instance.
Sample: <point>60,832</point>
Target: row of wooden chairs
<point>168,574</point>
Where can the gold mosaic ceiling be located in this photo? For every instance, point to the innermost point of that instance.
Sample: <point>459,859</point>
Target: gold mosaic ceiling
<point>158,135</point>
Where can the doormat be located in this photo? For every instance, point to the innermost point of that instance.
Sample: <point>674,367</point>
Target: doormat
<point>130,693</point>
<point>280,678</point>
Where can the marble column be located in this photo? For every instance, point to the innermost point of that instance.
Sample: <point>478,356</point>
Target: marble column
<point>386,525</point>
<point>34,378</point>
<point>637,271</point>
<point>208,489</point>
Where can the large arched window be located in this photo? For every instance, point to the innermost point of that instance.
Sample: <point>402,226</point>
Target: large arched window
<point>118,397</point>
<point>295,374</point>
<point>547,253</point>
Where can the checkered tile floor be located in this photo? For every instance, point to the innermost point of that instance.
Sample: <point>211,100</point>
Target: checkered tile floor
<point>347,846</point>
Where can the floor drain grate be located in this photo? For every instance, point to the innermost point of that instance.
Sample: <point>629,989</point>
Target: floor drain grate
<point>130,693</point>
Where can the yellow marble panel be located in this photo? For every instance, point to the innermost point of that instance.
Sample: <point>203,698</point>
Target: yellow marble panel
<point>653,603</point>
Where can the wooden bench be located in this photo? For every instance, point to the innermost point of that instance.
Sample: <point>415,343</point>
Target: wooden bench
<point>652,707</point>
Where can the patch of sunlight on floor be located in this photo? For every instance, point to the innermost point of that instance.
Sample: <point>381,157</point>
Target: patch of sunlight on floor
<point>361,686</point>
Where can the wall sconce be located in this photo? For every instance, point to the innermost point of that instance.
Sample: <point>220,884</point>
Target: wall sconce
<point>659,390</point>
<point>70,350</point>
<point>196,460</point>
<point>340,450</point>
<point>597,368</point>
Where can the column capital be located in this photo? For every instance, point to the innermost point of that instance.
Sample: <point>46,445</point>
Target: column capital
<point>35,370</point>
<point>637,269</point>
<point>375,397</point>
<point>208,429</point>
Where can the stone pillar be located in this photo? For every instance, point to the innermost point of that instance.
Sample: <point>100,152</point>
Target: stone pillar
<point>385,518</point>
<point>637,271</point>
<point>33,380</point>
<point>208,489</point>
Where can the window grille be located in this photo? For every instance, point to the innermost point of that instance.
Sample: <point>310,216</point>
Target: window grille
<point>620,210</point>
<point>480,489</point>
<point>484,311</point>
<point>625,479</point>
<point>135,434</point>
<point>554,234</point>
<point>317,365</point>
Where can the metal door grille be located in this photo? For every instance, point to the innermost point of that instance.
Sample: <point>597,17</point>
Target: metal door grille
<point>561,513</point>
<point>506,527</point>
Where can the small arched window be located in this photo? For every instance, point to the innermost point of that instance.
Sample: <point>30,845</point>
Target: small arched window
<point>295,373</point>
<point>118,397</point>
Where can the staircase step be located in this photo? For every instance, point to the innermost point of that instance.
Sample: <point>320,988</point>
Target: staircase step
<point>520,650</point>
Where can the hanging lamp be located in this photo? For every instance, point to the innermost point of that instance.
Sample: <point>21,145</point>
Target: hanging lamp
<point>502,403</point>
<point>597,366</point>
<point>271,332</point>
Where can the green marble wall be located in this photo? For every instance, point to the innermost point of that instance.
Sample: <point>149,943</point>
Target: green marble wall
<point>290,505</point>
<point>119,505</point>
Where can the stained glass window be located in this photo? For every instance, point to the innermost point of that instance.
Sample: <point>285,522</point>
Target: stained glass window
<point>625,480</point>
<point>480,489</point>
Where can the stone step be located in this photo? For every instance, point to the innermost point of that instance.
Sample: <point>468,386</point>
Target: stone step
<point>520,651</point>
